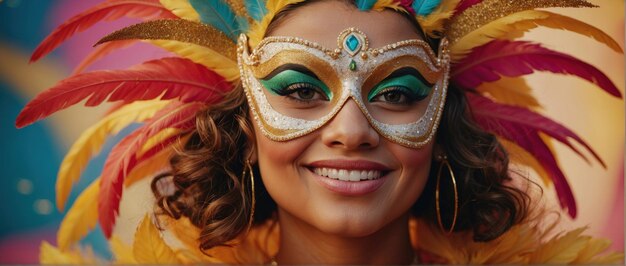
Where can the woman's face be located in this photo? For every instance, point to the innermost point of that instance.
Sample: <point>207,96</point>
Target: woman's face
<point>294,172</point>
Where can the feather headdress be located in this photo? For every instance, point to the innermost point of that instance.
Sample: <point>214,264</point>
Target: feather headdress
<point>164,94</point>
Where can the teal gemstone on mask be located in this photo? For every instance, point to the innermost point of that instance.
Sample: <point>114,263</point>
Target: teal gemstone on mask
<point>352,43</point>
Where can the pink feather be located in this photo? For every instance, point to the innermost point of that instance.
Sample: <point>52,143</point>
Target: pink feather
<point>513,59</point>
<point>522,126</point>
<point>109,10</point>
<point>168,77</point>
<point>122,158</point>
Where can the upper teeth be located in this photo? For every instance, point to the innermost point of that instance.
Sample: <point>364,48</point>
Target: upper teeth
<point>348,175</point>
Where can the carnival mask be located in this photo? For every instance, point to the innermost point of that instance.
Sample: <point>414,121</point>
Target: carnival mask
<point>295,86</point>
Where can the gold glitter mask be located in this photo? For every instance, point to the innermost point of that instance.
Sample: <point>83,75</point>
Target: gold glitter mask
<point>295,86</point>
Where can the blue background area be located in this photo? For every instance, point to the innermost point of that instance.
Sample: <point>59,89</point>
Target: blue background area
<point>23,22</point>
<point>32,155</point>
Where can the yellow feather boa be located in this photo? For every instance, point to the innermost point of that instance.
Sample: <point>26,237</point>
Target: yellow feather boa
<point>524,243</point>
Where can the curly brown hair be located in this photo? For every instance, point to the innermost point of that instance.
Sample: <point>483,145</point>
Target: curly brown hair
<point>212,192</point>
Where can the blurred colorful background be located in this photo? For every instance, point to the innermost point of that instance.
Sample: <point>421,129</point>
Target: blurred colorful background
<point>29,157</point>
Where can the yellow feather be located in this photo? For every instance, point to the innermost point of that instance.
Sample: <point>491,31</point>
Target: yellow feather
<point>486,11</point>
<point>207,57</point>
<point>515,25</point>
<point>257,31</point>
<point>493,30</point>
<point>431,239</point>
<point>92,139</point>
<point>561,22</point>
<point>434,24</point>
<point>122,253</point>
<point>593,247</point>
<point>513,91</point>
<point>613,258</point>
<point>255,247</point>
<point>380,5</point>
<point>48,254</point>
<point>520,156</point>
<point>188,234</point>
<point>149,247</point>
<point>510,248</point>
<point>524,243</point>
<point>561,249</point>
<point>182,9</point>
<point>239,7</point>
<point>156,139</point>
<point>81,218</point>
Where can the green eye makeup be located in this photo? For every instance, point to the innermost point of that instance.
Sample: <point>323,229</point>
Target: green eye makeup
<point>409,83</point>
<point>295,86</point>
<point>278,83</point>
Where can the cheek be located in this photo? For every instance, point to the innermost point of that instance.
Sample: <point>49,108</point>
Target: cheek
<point>278,163</point>
<point>415,170</point>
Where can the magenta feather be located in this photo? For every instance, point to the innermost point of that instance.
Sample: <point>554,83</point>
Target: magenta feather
<point>498,58</point>
<point>122,158</point>
<point>522,126</point>
<point>109,10</point>
<point>465,4</point>
<point>168,78</point>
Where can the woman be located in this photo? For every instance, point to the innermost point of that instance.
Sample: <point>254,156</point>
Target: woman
<point>328,124</point>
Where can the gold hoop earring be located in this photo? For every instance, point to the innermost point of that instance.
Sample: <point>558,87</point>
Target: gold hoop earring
<point>444,160</point>
<point>253,200</point>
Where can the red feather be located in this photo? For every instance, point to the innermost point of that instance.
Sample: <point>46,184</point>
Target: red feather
<point>111,186</point>
<point>122,158</point>
<point>512,59</point>
<point>168,77</point>
<point>101,51</point>
<point>109,10</point>
<point>522,126</point>
<point>176,115</point>
<point>465,4</point>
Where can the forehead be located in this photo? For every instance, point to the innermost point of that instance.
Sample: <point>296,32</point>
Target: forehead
<point>322,22</point>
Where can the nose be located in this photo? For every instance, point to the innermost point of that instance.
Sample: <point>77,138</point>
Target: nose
<point>349,129</point>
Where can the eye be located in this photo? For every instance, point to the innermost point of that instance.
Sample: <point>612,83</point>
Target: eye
<point>394,97</point>
<point>303,92</point>
<point>397,95</point>
<point>399,90</point>
<point>298,85</point>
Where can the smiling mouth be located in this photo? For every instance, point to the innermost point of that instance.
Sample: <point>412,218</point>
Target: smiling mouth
<point>348,175</point>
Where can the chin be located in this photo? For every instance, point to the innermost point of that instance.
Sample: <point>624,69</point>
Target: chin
<point>349,223</point>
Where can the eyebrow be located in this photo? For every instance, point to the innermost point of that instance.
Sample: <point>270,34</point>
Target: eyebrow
<point>296,67</point>
<point>408,71</point>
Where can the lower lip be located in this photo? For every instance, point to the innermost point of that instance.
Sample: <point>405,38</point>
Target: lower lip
<point>350,188</point>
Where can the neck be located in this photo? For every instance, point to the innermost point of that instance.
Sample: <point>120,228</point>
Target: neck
<point>300,243</point>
